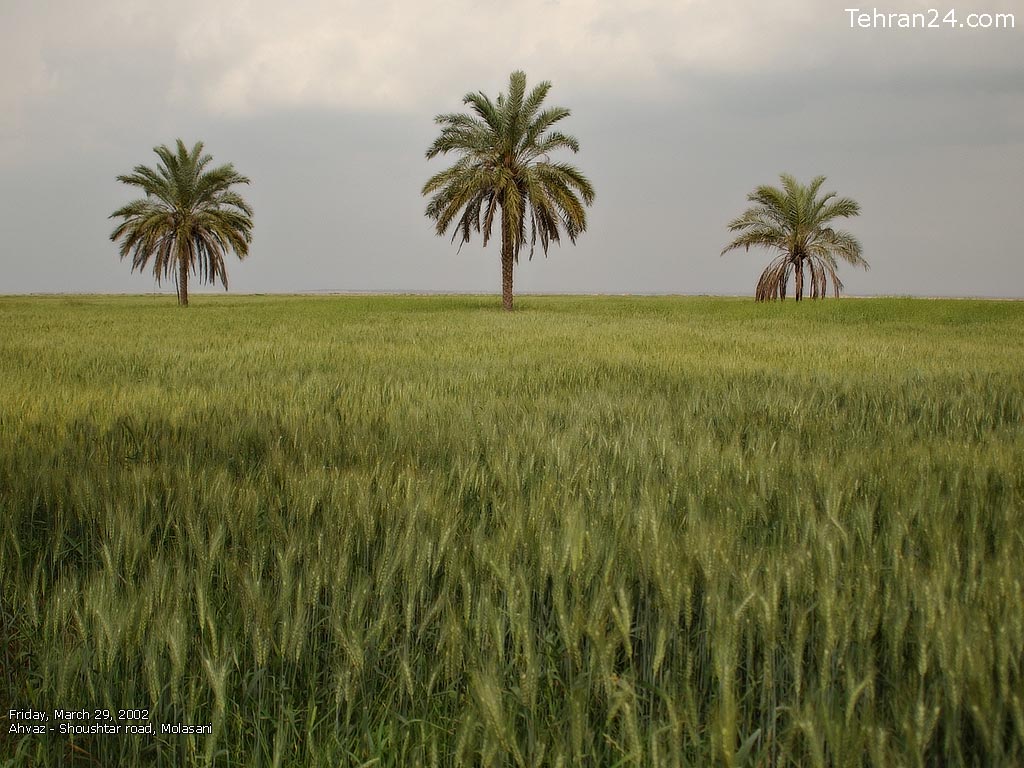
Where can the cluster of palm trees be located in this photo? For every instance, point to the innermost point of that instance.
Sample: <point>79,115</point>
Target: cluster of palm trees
<point>190,217</point>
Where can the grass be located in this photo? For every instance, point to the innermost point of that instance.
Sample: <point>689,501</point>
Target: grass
<point>600,531</point>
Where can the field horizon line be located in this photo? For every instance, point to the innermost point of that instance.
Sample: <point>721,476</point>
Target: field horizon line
<point>441,294</point>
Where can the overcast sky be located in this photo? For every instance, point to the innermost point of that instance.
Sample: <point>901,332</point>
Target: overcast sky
<point>681,108</point>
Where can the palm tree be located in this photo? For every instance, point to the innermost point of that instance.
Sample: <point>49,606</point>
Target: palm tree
<point>795,221</point>
<point>189,219</point>
<point>504,171</point>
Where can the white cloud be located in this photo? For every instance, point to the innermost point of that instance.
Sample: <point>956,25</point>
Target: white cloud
<point>241,57</point>
<point>393,54</point>
<point>25,79</point>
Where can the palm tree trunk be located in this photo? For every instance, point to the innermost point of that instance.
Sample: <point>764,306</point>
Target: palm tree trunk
<point>799,279</point>
<point>183,282</point>
<point>506,270</point>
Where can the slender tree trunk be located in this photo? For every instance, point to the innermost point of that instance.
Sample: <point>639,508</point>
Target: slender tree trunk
<point>183,282</point>
<point>506,269</point>
<point>799,279</point>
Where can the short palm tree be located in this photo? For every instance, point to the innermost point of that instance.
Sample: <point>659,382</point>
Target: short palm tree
<point>189,219</point>
<point>504,172</point>
<point>796,222</point>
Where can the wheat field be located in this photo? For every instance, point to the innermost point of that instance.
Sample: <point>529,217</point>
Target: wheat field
<point>404,531</point>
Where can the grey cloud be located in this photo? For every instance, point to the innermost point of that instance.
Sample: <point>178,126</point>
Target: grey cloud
<point>925,133</point>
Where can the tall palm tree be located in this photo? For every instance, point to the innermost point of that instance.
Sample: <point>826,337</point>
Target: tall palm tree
<point>189,219</point>
<point>795,222</point>
<point>504,171</point>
